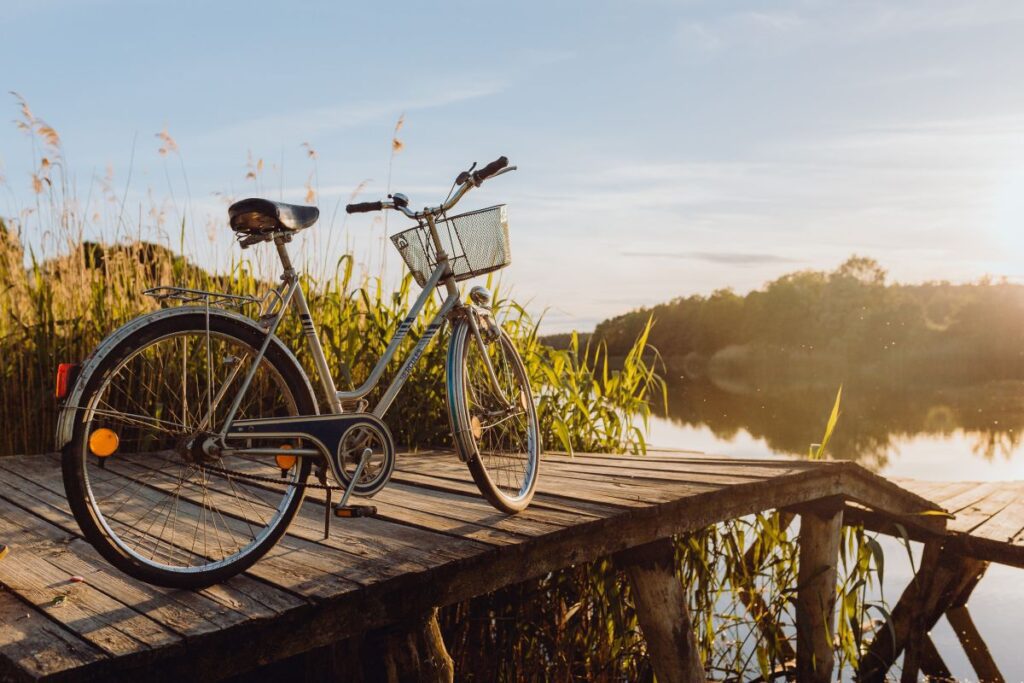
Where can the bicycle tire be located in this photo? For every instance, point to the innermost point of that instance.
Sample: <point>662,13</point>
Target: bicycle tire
<point>76,476</point>
<point>487,467</point>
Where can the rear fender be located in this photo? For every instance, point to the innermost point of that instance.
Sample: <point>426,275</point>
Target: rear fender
<point>72,404</point>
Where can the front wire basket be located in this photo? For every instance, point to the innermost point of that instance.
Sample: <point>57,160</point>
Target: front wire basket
<point>476,243</point>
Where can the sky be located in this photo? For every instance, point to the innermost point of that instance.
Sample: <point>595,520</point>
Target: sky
<point>665,147</point>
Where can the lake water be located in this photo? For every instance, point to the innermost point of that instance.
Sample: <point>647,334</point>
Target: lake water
<point>965,433</point>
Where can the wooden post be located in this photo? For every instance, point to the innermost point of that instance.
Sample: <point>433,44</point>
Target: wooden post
<point>662,612</point>
<point>409,651</point>
<point>820,535</point>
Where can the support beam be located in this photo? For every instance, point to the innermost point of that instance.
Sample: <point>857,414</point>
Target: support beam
<point>661,609</point>
<point>974,646</point>
<point>942,577</point>
<point>932,665</point>
<point>819,538</point>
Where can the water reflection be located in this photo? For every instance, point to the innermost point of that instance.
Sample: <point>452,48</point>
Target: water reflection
<point>875,419</point>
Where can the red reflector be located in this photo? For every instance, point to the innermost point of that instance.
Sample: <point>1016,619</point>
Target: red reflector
<point>65,378</point>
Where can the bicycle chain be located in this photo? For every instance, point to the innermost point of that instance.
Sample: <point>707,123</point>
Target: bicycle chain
<point>271,480</point>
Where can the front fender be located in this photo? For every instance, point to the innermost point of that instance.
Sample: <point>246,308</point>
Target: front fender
<point>66,417</point>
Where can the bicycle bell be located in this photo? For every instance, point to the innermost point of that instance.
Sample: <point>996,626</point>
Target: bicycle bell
<point>480,296</point>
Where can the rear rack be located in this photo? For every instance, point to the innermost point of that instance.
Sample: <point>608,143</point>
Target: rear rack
<point>193,296</point>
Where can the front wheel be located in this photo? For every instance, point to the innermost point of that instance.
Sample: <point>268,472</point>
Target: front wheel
<point>494,423</point>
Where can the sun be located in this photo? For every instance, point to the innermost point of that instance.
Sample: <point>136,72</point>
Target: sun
<point>1007,225</point>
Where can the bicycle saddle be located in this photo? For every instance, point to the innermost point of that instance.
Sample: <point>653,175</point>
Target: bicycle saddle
<point>262,215</point>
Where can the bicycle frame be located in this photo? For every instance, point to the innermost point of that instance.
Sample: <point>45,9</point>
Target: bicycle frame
<point>293,295</point>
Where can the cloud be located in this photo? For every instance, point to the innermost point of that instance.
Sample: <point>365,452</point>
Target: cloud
<point>309,123</point>
<point>817,24</point>
<point>721,257</point>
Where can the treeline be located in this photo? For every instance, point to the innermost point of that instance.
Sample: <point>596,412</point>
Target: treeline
<point>843,322</point>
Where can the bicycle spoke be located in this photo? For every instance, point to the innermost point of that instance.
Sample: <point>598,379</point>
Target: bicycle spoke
<point>157,503</point>
<point>501,429</point>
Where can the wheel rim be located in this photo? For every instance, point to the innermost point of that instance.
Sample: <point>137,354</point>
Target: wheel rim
<point>154,498</point>
<point>504,435</point>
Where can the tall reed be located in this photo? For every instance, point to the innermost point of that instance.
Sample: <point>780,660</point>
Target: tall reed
<point>61,294</point>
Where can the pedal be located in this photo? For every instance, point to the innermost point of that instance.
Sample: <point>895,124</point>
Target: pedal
<point>355,510</point>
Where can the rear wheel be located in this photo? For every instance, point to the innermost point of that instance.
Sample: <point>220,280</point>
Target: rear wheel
<point>495,428</point>
<point>142,488</point>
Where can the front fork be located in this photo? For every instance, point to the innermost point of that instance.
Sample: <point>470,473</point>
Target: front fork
<point>478,318</point>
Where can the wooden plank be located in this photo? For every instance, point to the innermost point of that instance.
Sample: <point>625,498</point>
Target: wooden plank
<point>111,626</point>
<point>359,558</point>
<point>466,508</point>
<point>242,594</point>
<point>185,613</point>
<point>686,475</point>
<point>860,486</point>
<point>973,516</point>
<point>683,470</point>
<point>936,491</point>
<point>670,458</point>
<point>33,646</point>
<point>284,566</point>
<point>972,496</point>
<point>578,517</point>
<point>362,537</point>
<point>819,539</point>
<point>587,486</point>
<point>1005,526</point>
<point>548,502</point>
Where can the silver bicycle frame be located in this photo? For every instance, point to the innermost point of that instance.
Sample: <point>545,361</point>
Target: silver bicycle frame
<point>293,294</point>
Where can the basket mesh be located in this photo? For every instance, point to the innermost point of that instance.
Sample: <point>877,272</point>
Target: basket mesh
<point>476,243</point>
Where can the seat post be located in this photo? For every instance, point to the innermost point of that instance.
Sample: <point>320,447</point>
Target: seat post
<point>280,240</point>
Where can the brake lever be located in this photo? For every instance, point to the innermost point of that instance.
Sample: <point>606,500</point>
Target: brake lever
<point>465,175</point>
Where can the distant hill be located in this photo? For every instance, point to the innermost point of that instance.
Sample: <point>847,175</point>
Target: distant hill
<point>849,321</point>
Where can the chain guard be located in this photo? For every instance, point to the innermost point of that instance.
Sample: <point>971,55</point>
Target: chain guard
<point>328,434</point>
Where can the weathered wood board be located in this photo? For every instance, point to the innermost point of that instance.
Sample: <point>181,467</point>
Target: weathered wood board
<point>988,517</point>
<point>435,541</point>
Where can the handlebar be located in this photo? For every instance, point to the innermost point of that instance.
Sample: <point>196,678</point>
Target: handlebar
<point>484,173</point>
<point>364,207</point>
<point>466,180</point>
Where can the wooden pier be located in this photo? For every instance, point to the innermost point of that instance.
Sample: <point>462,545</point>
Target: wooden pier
<point>987,525</point>
<point>434,542</point>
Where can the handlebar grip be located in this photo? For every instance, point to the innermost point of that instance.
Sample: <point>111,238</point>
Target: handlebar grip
<point>364,207</point>
<point>491,168</point>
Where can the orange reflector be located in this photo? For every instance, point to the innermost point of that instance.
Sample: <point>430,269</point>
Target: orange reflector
<point>285,461</point>
<point>103,442</point>
<point>65,378</point>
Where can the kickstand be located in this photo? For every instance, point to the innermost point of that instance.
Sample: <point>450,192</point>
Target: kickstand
<point>327,516</point>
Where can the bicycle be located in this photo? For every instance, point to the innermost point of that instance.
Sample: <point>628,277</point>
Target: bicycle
<point>189,434</point>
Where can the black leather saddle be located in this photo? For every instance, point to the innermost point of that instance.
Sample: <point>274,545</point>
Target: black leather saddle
<point>257,216</point>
